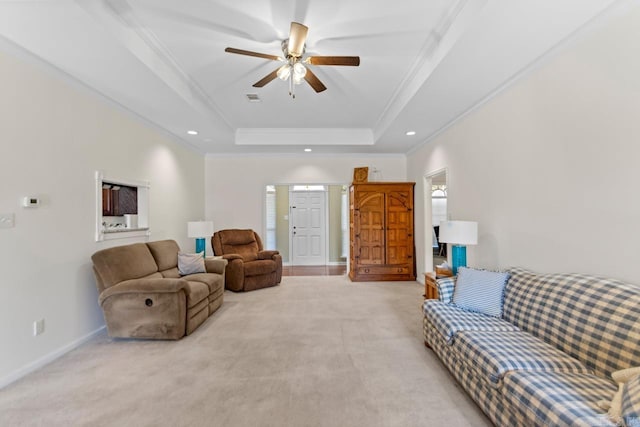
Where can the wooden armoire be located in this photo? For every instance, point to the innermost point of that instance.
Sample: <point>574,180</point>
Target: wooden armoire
<point>381,231</point>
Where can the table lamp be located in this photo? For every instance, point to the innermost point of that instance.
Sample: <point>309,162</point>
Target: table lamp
<point>200,230</point>
<point>459,234</point>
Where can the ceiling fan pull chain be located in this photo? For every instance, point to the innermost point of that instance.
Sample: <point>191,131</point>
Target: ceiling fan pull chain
<point>293,95</point>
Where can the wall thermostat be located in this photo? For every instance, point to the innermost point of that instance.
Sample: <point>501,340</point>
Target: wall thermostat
<point>30,202</point>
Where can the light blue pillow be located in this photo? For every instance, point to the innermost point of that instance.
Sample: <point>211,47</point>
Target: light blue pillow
<point>481,291</point>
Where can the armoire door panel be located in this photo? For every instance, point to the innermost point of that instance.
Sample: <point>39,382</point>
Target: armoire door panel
<point>382,231</point>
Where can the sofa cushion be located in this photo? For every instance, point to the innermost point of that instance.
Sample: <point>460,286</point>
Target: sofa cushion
<point>196,292</point>
<point>172,273</point>
<point>259,267</point>
<point>213,281</point>
<point>449,320</point>
<point>165,252</point>
<point>480,290</point>
<point>120,263</point>
<point>554,398</point>
<point>487,397</point>
<point>593,319</point>
<point>495,353</point>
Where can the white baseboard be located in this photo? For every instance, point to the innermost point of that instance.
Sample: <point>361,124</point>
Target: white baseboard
<point>45,360</point>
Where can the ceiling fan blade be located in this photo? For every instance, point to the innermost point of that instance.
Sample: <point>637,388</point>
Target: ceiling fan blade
<point>314,81</point>
<point>250,53</point>
<point>266,79</point>
<point>297,39</point>
<point>334,60</point>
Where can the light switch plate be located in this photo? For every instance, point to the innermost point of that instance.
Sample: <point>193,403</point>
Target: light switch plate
<point>6,220</point>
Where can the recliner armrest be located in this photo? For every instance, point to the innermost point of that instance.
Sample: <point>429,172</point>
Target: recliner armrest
<point>231,257</point>
<point>215,265</point>
<point>136,286</point>
<point>267,254</point>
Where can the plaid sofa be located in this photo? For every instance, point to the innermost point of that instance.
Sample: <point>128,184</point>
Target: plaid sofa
<point>548,360</point>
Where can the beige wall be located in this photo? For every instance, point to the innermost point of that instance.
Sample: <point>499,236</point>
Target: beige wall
<point>549,167</point>
<point>282,224</point>
<point>53,136</point>
<point>235,185</point>
<point>335,231</point>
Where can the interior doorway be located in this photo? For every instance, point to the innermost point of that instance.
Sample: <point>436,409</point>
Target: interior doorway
<point>435,207</point>
<point>280,217</point>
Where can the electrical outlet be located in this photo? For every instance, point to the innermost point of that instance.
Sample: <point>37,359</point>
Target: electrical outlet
<point>6,220</point>
<point>38,327</point>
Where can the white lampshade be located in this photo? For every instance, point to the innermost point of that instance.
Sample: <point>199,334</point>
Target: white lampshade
<point>459,232</point>
<point>199,229</point>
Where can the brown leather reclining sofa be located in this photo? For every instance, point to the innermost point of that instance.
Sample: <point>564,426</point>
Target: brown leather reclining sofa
<point>142,294</point>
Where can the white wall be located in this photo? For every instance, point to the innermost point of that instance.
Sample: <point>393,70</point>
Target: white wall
<point>235,185</point>
<point>53,136</point>
<point>549,167</point>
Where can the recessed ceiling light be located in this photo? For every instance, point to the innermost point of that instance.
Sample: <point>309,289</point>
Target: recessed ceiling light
<point>192,132</point>
<point>308,150</point>
<point>411,133</point>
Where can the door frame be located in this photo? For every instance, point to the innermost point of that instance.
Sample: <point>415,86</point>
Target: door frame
<point>428,215</point>
<point>326,220</point>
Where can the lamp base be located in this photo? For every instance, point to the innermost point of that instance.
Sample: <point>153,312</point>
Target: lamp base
<point>459,257</point>
<point>201,246</point>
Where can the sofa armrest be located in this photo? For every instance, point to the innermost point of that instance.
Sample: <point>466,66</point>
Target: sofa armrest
<point>215,265</point>
<point>446,286</point>
<point>136,286</point>
<point>267,254</point>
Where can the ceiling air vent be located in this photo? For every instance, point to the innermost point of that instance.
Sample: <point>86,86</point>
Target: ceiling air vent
<point>253,97</point>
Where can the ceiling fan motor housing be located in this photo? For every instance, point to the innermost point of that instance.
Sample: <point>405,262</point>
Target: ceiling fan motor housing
<point>287,54</point>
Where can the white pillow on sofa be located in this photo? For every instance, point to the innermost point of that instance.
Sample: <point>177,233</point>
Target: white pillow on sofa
<point>191,263</point>
<point>481,291</point>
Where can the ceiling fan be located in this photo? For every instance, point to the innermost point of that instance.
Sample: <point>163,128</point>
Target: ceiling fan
<point>296,68</point>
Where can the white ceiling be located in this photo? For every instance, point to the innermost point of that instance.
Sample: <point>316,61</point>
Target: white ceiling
<point>423,63</point>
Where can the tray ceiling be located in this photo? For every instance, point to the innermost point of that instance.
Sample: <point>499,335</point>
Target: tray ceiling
<point>423,63</point>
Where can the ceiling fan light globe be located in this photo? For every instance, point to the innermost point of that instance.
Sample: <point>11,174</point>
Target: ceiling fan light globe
<point>284,72</point>
<point>297,79</point>
<point>299,70</point>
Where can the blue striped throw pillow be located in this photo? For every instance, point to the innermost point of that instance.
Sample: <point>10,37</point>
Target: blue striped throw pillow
<point>480,290</point>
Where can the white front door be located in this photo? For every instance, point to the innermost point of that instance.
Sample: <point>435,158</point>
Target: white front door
<point>308,227</point>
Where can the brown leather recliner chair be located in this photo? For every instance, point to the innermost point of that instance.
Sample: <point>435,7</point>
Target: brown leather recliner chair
<point>249,266</point>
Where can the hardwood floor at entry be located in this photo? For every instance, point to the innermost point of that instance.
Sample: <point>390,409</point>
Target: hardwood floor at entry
<point>314,270</point>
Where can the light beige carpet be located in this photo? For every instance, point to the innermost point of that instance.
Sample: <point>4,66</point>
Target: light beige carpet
<point>314,351</point>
